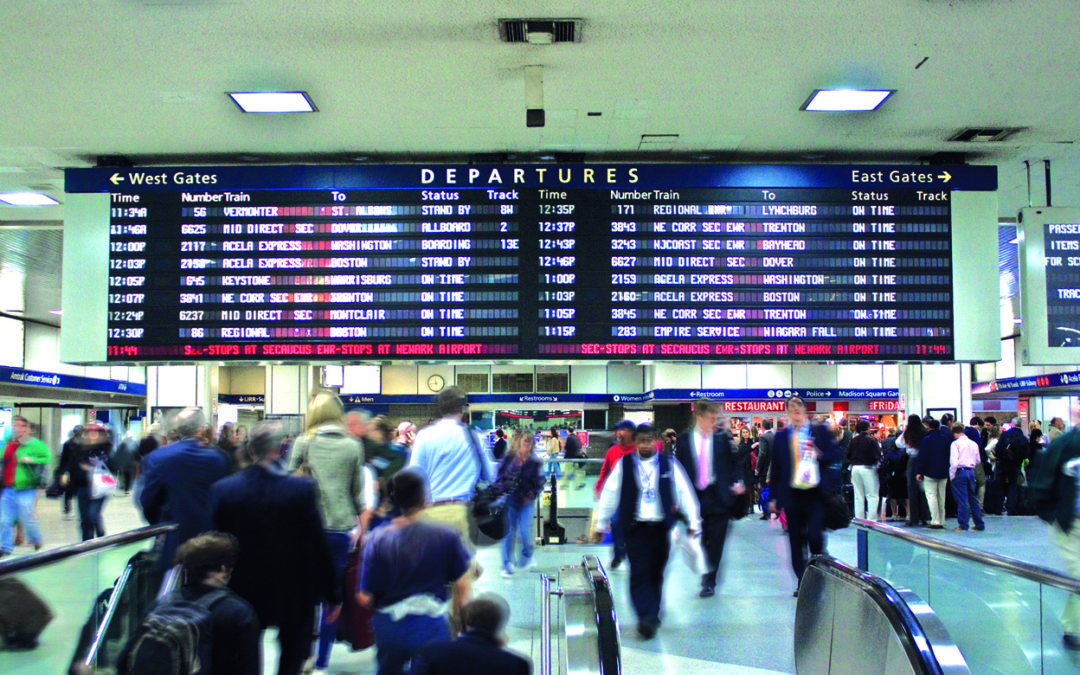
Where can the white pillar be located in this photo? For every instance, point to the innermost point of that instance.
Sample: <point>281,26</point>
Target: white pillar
<point>288,389</point>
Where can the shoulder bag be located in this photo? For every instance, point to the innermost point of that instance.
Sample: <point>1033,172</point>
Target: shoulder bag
<point>487,506</point>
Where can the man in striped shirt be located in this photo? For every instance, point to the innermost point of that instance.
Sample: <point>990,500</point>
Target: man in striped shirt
<point>963,457</point>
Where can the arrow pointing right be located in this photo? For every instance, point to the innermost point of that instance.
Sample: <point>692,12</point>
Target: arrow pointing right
<point>116,179</point>
<point>944,176</point>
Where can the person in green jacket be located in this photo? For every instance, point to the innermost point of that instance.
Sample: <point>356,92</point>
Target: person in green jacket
<point>25,457</point>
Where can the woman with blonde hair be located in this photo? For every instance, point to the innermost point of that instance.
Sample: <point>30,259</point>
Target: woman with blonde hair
<point>520,478</point>
<point>335,461</point>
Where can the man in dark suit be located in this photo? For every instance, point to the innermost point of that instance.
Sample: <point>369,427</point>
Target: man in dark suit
<point>177,482</point>
<point>764,458</point>
<point>802,473</point>
<point>479,648</point>
<point>285,568</point>
<point>709,461</point>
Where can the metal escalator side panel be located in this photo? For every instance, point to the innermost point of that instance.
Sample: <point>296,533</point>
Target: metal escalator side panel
<point>814,623</point>
<point>850,621</point>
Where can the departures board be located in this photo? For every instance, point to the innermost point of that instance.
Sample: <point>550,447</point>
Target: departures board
<point>539,262</point>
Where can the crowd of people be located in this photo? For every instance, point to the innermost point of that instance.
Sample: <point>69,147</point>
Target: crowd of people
<point>266,522</point>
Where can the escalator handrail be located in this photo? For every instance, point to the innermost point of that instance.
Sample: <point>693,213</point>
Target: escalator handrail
<point>110,611</point>
<point>37,560</point>
<point>1019,568</point>
<point>922,634</point>
<point>607,623</point>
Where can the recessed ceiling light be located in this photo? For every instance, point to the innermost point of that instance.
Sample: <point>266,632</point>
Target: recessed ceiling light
<point>846,100</point>
<point>57,312</point>
<point>27,199</point>
<point>273,101</point>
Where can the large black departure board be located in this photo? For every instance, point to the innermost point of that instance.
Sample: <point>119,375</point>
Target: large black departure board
<point>649,262</point>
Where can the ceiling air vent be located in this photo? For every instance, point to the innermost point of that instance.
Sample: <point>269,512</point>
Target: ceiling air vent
<point>540,31</point>
<point>985,135</point>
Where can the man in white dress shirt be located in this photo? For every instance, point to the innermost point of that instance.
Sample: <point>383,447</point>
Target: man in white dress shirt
<point>963,457</point>
<point>655,496</point>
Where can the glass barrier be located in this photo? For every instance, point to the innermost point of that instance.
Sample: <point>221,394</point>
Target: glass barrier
<point>1004,614</point>
<point>52,604</point>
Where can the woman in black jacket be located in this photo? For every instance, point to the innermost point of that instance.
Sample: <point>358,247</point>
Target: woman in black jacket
<point>919,513</point>
<point>864,454</point>
<point>92,452</point>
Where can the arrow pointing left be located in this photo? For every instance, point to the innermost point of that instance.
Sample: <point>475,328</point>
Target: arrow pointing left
<point>116,179</point>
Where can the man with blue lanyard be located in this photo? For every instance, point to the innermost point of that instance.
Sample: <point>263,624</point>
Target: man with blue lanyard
<point>650,491</point>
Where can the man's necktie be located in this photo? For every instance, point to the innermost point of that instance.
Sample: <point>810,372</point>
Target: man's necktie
<point>703,466</point>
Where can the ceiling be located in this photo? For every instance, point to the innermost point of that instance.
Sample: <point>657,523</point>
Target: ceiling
<point>419,80</point>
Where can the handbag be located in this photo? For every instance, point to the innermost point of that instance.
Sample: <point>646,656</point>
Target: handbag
<point>693,555</point>
<point>488,507</point>
<point>102,482</point>
<point>302,469</point>
<point>354,626</point>
<point>837,514</point>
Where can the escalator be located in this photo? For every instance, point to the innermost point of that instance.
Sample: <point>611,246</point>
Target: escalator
<point>849,621</point>
<point>91,597</point>
<point>579,632</point>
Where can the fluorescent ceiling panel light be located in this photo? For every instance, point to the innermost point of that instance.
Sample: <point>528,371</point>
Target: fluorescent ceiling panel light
<point>27,199</point>
<point>57,312</point>
<point>273,101</point>
<point>846,100</point>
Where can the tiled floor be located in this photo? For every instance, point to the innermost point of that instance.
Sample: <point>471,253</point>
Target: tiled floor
<point>746,628</point>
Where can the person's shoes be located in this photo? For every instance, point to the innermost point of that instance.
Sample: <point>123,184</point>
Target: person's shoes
<point>530,564</point>
<point>37,547</point>
<point>615,564</point>
<point>959,529</point>
<point>1072,642</point>
<point>979,528</point>
<point>647,629</point>
<point>507,572</point>
<point>936,527</point>
<point>581,486</point>
<point>707,592</point>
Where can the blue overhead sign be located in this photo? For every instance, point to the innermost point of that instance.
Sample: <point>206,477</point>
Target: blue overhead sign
<point>58,381</point>
<point>1025,383</point>
<point>509,176</point>
<point>654,396</point>
<point>242,399</point>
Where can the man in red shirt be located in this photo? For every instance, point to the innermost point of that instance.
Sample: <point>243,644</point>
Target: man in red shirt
<point>19,480</point>
<point>624,437</point>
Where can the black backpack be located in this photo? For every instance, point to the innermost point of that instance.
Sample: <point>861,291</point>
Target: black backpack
<point>175,638</point>
<point>1008,450</point>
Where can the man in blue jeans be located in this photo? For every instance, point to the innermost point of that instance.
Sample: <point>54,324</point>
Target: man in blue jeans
<point>22,458</point>
<point>963,458</point>
<point>408,569</point>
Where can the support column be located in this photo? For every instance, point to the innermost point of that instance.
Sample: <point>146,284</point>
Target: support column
<point>182,386</point>
<point>288,389</point>
<point>935,386</point>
